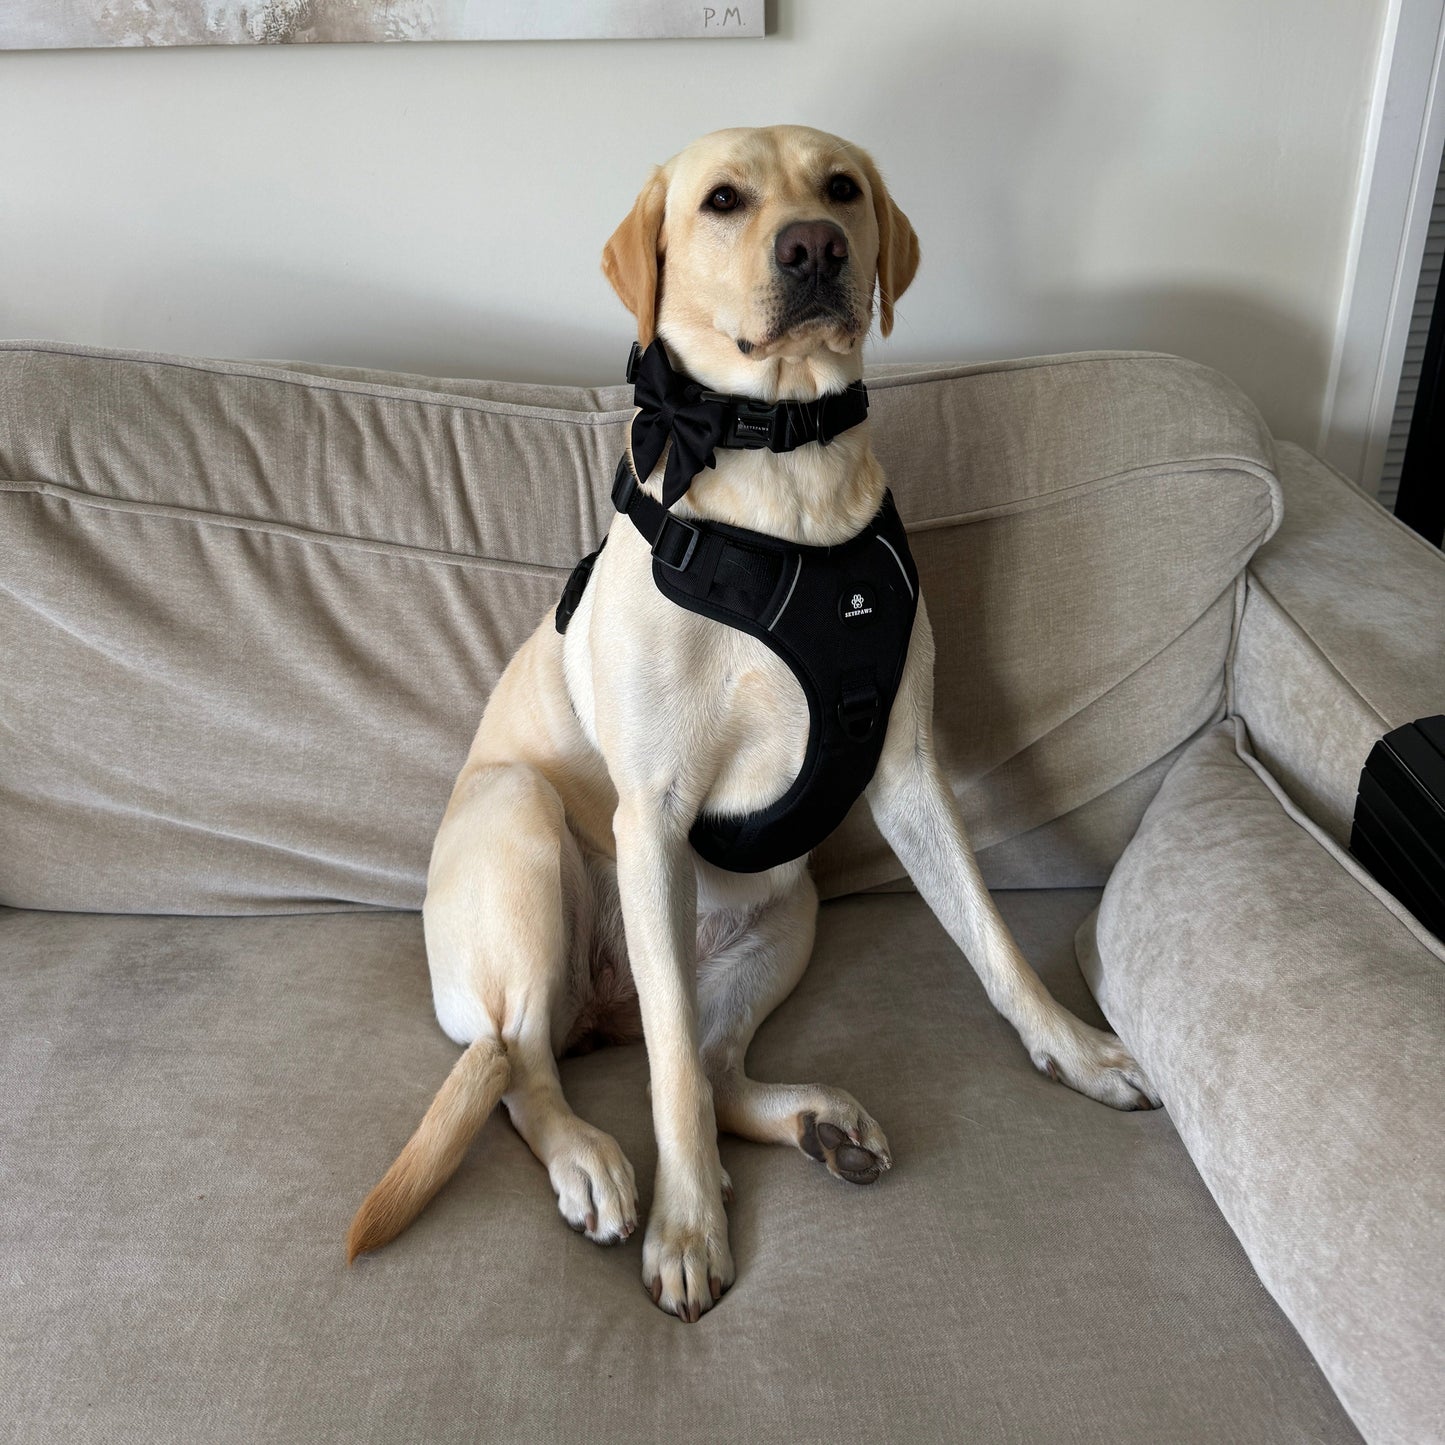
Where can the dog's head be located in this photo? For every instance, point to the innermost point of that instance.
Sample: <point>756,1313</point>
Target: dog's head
<point>753,245</point>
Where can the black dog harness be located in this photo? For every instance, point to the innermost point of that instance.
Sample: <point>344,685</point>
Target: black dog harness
<point>839,617</point>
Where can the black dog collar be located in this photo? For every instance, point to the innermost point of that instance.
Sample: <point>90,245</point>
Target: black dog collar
<point>675,407</point>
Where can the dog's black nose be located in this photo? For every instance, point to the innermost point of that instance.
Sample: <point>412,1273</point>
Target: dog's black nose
<point>811,250</point>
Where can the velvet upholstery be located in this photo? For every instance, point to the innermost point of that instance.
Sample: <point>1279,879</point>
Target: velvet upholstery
<point>1342,638</point>
<point>252,613</point>
<point>195,1106</point>
<point>249,615</point>
<point>1292,1015</point>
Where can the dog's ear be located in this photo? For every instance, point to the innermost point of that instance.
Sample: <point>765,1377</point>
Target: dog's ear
<point>632,257</point>
<point>897,246</point>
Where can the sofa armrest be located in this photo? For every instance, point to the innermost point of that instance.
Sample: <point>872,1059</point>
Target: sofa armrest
<point>1342,638</point>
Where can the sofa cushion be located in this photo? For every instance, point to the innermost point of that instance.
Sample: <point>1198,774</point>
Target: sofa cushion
<point>195,1107</point>
<point>1292,1015</point>
<point>251,613</point>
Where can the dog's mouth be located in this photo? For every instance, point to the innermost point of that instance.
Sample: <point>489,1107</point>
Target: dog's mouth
<point>816,317</point>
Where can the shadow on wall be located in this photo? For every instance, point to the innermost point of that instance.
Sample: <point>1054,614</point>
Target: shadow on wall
<point>322,317</point>
<point>1048,161</point>
<point>1278,359</point>
<point>1017,160</point>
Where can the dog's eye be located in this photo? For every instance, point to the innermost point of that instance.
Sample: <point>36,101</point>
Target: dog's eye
<point>724,198</point>
<point>843,188</point>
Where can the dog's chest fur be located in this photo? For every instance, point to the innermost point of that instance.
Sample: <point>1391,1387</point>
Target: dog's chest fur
<point>709,706</point>
<point>670,697</point>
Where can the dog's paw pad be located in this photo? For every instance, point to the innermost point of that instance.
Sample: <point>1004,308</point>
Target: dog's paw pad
<point>856,1152</point>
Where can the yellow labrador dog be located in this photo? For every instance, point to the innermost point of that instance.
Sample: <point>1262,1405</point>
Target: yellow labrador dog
<point>564,903</point>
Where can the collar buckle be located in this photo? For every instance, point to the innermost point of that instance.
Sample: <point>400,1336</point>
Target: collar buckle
<point>754,425</point>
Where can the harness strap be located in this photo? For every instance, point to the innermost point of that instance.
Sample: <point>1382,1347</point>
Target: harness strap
<point>673,540</point>
<point>840,618</point>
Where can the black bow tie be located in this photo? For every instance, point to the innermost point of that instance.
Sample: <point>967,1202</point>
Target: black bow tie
<point>672,405</point>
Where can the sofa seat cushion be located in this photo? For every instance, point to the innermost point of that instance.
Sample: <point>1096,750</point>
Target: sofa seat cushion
<point>194,1108</point>
<point>252,613</point>
<point>1292,1015</point>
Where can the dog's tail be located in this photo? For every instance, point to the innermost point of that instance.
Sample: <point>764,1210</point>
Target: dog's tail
<point>432,1154</point>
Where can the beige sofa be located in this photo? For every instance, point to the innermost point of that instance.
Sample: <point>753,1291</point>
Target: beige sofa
<point>249,615</point>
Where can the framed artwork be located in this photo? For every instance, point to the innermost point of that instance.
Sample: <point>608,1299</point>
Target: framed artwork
<point>70,24</point>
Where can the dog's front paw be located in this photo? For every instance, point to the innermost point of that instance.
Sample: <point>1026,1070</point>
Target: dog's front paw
<point>594,1186</point>
<point>1097,1064</point>
<point>686,1262</point>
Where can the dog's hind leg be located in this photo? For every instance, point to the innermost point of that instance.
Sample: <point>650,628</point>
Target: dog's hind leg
<point>507,917</point>
<point>591,1176</point>
<point>739,985</point>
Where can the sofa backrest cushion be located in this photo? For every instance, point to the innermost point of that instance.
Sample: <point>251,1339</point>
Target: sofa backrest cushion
<point>251,613</point>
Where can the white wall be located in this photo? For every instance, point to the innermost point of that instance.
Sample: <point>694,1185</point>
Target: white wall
<point>1177,174</point>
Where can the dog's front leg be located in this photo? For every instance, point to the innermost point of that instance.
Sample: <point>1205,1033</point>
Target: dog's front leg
<point>686,1263</point>
<point>918,815</point>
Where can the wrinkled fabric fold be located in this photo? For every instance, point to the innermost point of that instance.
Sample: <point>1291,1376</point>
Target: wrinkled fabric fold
<point>266,608</point>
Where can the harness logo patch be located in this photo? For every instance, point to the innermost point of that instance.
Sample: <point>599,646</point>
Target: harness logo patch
<point>856,605</point>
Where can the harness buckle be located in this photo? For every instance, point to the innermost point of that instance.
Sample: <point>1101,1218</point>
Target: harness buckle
<point>858,711</point>
<point>624,486</point>
<point>669,538</point>
<point>668,545</point>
